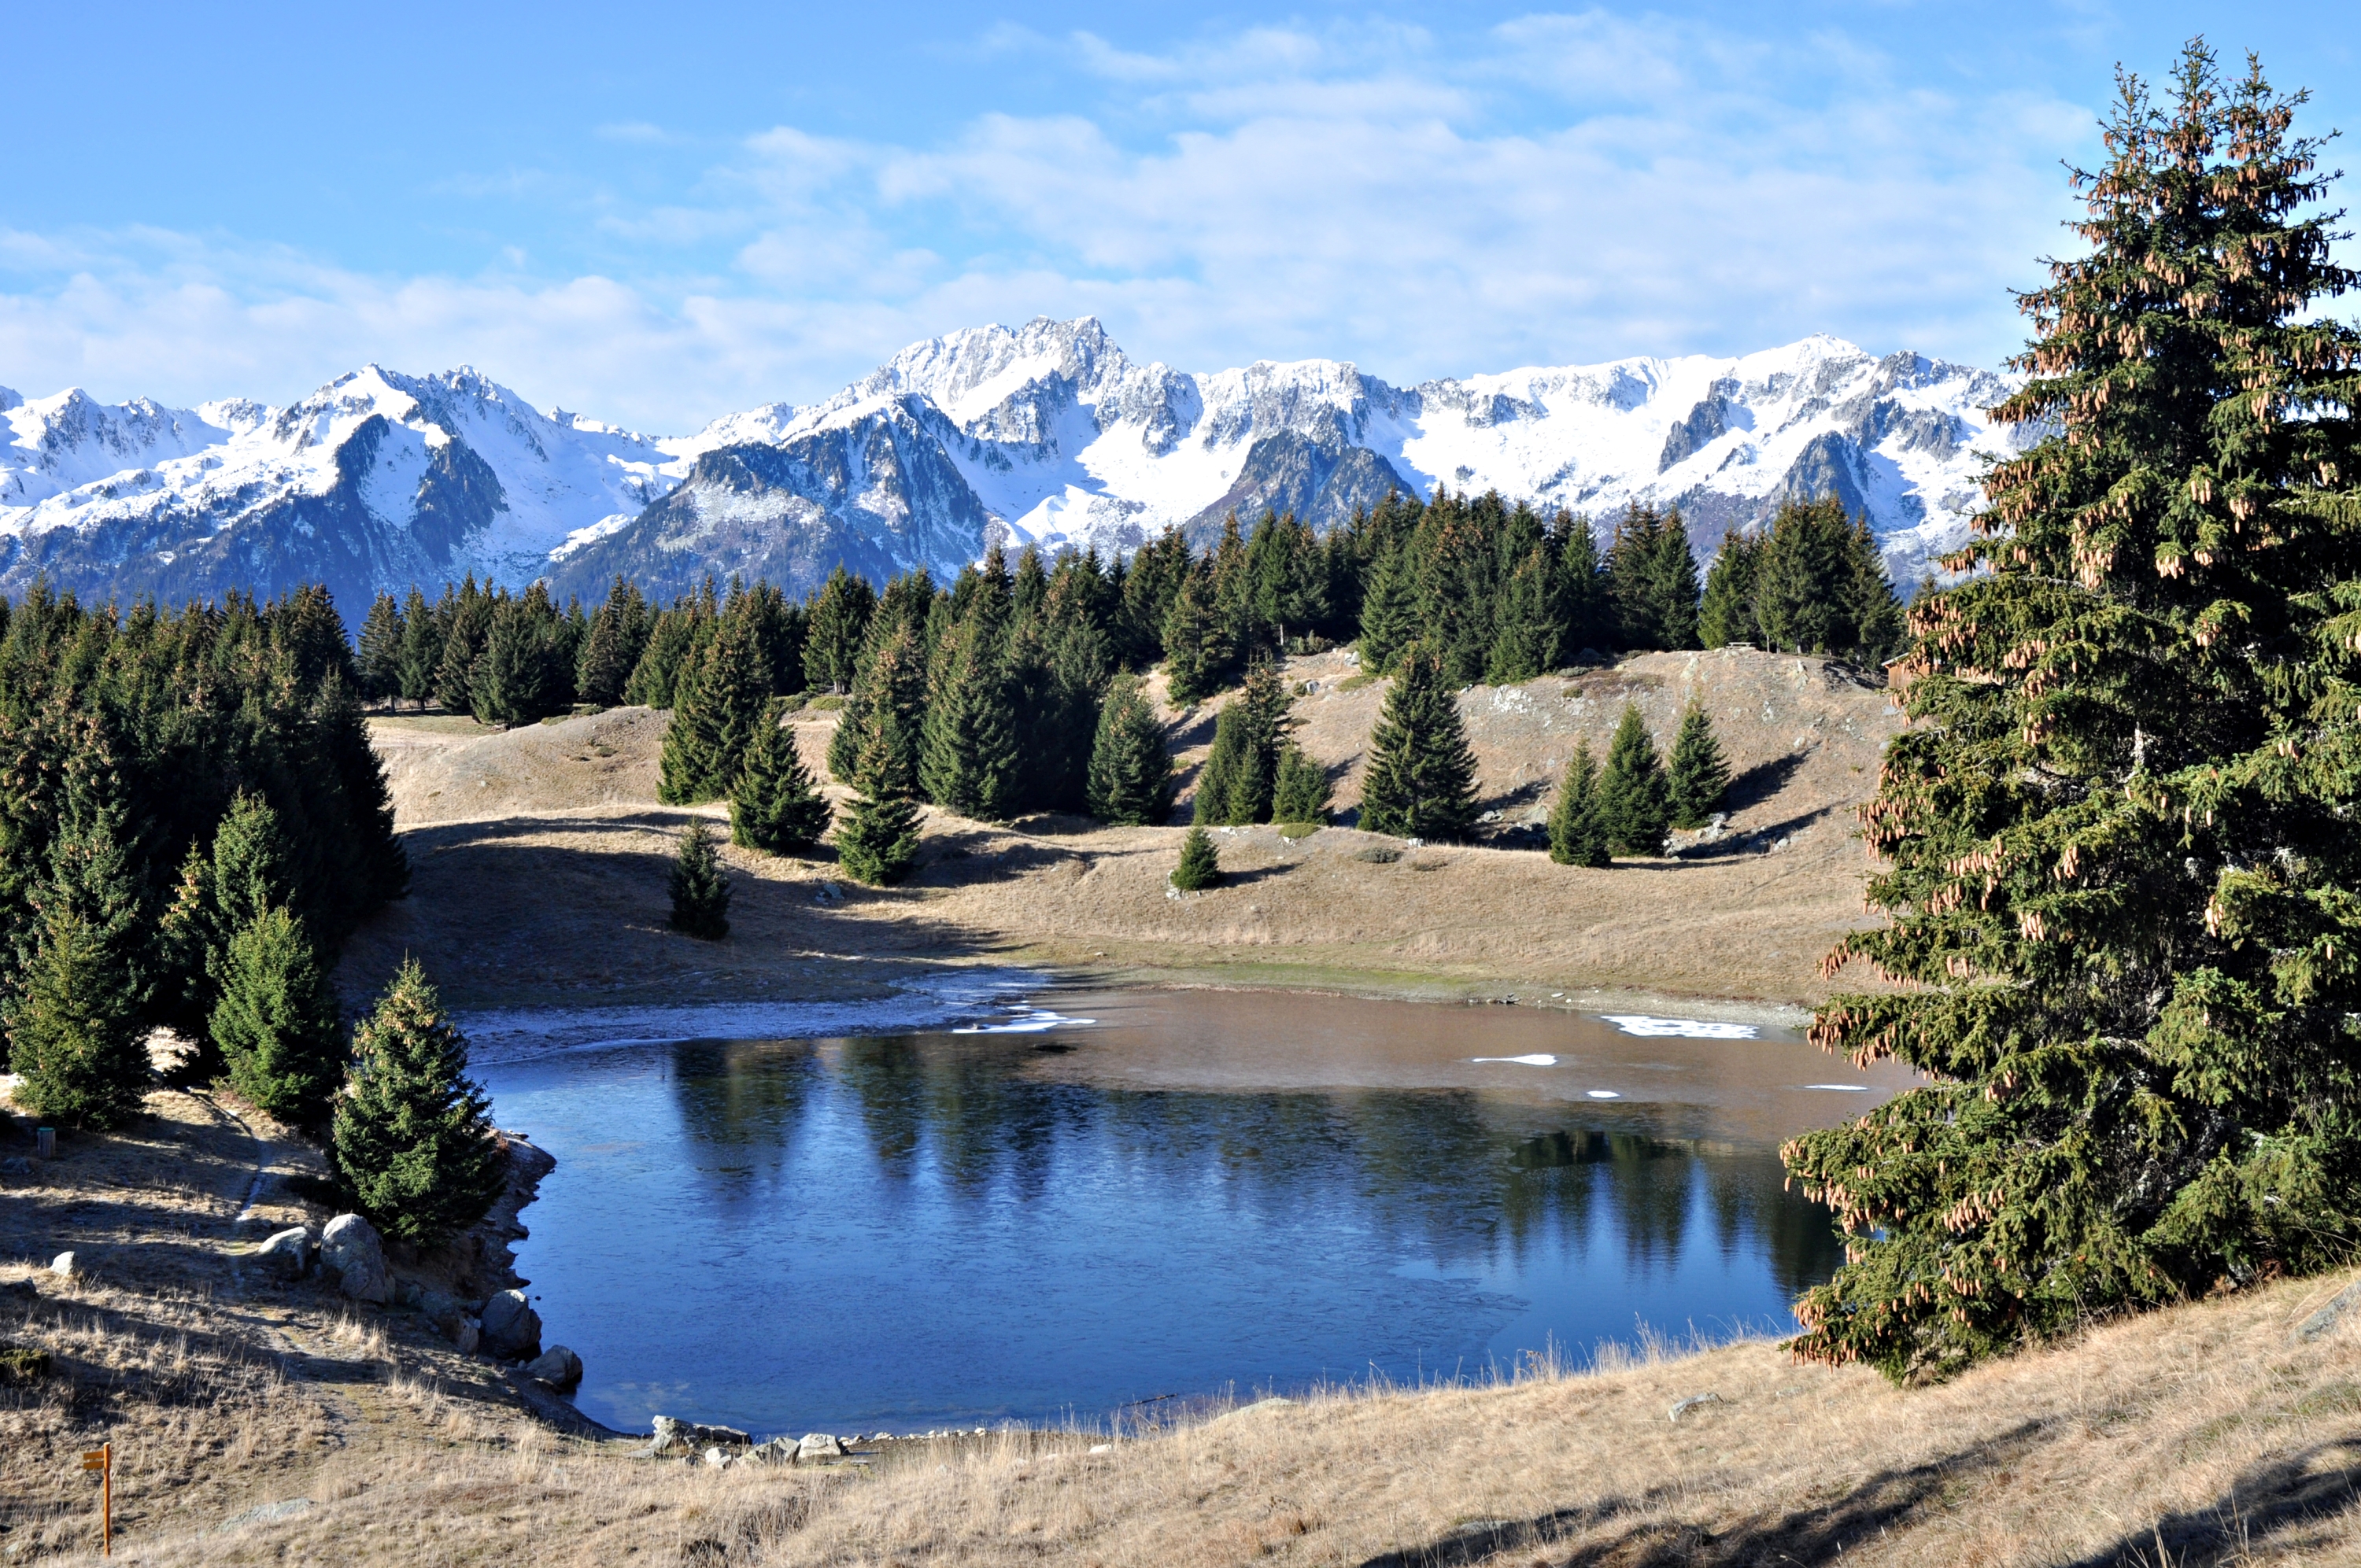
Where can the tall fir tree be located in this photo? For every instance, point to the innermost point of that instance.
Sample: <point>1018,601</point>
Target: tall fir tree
<point>1389,611</point>
<point>776,806</point>
<point>412,1139</point>
<point>1632,804</point>
<point>421,649</point>
<point>1131,782</point>
<point>1585,611</point>
<point>877,840</point>
<point>1421,781</point>
<point>618,636</point>
<point>75,1034</point>
<point>1525,628</point>
<point>1727,614</point>
<point>1578,825</point>
<point>1197,647</point>
<point>1697,775</point>
<point>839,619</point>
<point>1242,768</point>
<point>1300,793</point>
<point>700,887</point>
<point>716,711</point>
<point>2124,895</point>
<point>278,1025</point>
<point>380,651</point>
<point>971,763</point>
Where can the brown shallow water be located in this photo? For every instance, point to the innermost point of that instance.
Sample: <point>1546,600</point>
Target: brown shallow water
<point>1753,1084</point>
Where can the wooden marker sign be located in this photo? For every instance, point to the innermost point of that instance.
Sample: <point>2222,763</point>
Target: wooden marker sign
<point>102,1459</point>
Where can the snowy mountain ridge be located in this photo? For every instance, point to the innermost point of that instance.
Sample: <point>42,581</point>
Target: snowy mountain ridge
<point>1048,433</point>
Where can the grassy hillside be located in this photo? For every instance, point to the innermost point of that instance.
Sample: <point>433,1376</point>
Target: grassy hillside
<point>540,859</point>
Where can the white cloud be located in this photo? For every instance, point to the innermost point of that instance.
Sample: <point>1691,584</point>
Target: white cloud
<point>1564,189</point>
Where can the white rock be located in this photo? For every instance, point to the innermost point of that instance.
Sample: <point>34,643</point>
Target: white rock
<point>62,1264</point>
<point>287,1253</point>
<point>818,1446</point>
<point>349,1246</point>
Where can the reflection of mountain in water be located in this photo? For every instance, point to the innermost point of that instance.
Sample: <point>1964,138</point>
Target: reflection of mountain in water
<point>1451,1174</point>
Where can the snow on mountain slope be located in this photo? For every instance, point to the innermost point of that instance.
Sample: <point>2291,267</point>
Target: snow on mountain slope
<point>1046,434</point>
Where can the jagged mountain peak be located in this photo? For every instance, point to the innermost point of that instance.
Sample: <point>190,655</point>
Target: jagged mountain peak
<point>1045,433</point>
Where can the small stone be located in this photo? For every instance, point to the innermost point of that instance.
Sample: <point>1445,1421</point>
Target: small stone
<point>21,1290</point>
<point>2328,1317</point>
<point>286,1253</point>
<point>815,1446</point>
<point>63,1264</point>
<point>1102,1448</point>
<point>1694,1401</point>
<point>717,1459</point>
<point>512,1328</point>
<point>558,1367</point>
<point>17,1165</point>
<point>350,1246</point>
<point>467,1335</point>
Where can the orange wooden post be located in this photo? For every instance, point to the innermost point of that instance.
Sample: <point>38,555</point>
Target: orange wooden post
<point>102,1459</point>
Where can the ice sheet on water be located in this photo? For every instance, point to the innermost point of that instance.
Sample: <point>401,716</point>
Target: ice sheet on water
<point>1604,1094</point>
<point>1034,1020</point>
<point>1686,1028</point>
<point>1537,1060</point>
<point>1845,1088</point>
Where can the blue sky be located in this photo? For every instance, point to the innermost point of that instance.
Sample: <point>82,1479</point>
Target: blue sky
<point>661,215</point>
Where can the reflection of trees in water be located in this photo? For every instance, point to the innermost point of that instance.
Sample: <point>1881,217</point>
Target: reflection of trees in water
<point>1447,1172</point>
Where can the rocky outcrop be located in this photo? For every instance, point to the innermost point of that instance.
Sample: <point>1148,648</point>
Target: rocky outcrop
<point>288,1252</point>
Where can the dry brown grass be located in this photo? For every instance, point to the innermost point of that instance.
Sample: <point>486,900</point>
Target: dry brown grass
<point>540,857</point>
<point>2196,1436</point>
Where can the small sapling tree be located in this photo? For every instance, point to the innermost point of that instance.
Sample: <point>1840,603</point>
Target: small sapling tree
<point>700,888</point>
<point>1200,866</point>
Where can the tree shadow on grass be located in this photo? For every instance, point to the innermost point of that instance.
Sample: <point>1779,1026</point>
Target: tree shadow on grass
<point>2318,1485</point>
<point>1891,1499</point>
<point>1761,782</point>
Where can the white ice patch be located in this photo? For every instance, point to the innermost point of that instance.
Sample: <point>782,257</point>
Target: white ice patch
<point>1038,1021</point>
<point>1686,1028</point>
<point>1842,1088</point>
<point>1604,1094</point>
<point>1535,1060</point>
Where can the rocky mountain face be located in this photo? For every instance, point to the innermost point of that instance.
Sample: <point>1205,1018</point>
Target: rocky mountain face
<point>1044,434</point>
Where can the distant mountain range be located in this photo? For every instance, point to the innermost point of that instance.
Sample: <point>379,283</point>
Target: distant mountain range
<point>1046,434</point>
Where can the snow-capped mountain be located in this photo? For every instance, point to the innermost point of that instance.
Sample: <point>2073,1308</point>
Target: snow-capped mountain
<point>1046,434</point>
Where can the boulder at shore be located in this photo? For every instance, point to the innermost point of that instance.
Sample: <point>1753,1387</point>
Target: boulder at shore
<point>558,1367</point>
<point>512,1328</point>
<point>349,1246</point>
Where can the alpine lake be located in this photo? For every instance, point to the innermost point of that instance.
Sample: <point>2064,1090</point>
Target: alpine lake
<point>1101,1205</point>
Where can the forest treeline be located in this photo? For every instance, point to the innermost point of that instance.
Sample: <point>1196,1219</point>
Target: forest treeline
<point>1503,592</point>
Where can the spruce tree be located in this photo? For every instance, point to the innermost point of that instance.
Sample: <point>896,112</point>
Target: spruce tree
<point>839,618</point>
<point>1727,615</point>
<point>1233,787</point>
<point>1577,827</point>
<point>75,1033</point>
<point>1697,775</point>
<point>2119,868</point>
<point>972,761</point>
<point>672,640</point>
<point>463,636</point>
<point>510,682</point>
<point>1421,781</point>
<point>1585,611</point>
<point>617,635</point>
<point>1299,795</point>
<point>700,888</point>
<point>1389,611</point>
<point>421,649</point>
<point>877,841</point>
<point>1200,866</point>
<point>413,1138</point>
<point>1197,648</point>
<point>1525,628</point>
<point>776,804</point>
<point>1131,780</point>
<point>278,1024</point>
<point>380,651</point>
<point>1632,804</point>
<point>716,711</point>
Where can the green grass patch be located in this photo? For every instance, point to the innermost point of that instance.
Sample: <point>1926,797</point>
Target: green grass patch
<point>828,704</point>
<point>1298,829</point>
<point>1355,683</point>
